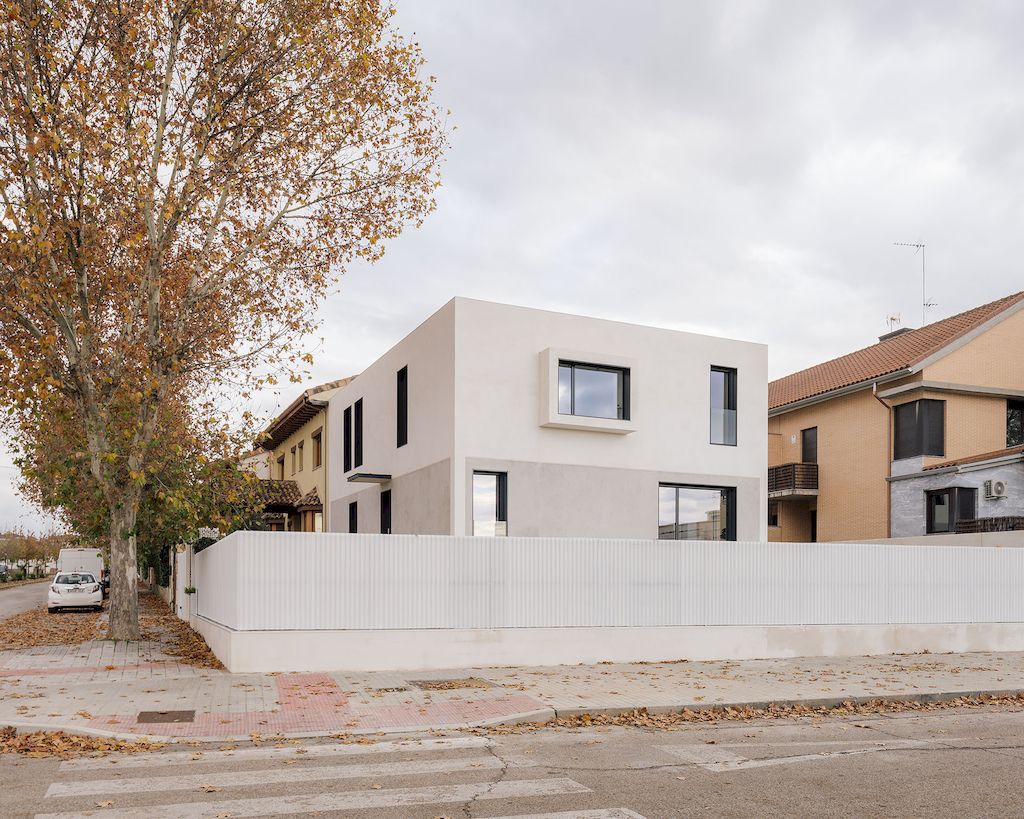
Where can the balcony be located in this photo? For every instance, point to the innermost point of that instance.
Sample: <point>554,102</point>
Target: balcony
<point>793,481</point>
<point>986,525</point>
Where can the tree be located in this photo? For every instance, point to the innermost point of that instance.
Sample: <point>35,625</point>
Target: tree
<point>182,181</point>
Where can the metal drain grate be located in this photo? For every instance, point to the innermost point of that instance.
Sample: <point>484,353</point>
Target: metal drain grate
<point>166,716</point>
<point>449,685</point>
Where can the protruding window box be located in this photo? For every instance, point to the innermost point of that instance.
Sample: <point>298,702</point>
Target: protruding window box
<point>592,392</point>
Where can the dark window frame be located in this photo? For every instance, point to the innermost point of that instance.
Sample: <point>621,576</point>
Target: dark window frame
<point>773,513</point>
<point>1014,422</point>
<point>347,443</point>
<point>924,434</point>
<point>385,512</point>
<point>300,448</point>
<point>402,406</point>
<point>730,400</point>
<point>501,494</point>
<point>280,463</point>
<point>805,435</point>
<point>956,497</point>
<point>730,507</point>
<point>357,421</point>
<point>353,517</point>
<point>623,408</point>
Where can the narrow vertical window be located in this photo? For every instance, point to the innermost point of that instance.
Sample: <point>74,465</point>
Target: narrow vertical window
<point>357,449</point>
<point>318,448</point>
<point>773,513</point>
<point>293,460</point>
<point>490,504</point>
<point>1014,423</point>
<point>353,517</point>
<point>402,396</point>
<point>723,406</point>
<point>280,467</point>
<point>347,443</point>
<point>385,512</point>
<point>299,449</point>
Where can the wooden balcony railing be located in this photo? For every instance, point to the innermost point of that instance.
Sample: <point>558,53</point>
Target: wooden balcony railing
<point>794,479</point>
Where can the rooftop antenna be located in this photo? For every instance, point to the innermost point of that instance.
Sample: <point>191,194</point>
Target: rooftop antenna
<point>894,321</point>
<point>925,303</point>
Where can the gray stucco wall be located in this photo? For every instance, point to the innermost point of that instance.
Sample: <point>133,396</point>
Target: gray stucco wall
<point>908,496</point>
<point>565,500</point>
<point>420,503</point>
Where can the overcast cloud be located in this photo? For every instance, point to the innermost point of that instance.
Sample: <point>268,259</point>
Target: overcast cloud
<point>737,168</point>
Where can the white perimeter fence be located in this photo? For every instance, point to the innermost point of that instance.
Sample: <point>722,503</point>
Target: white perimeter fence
<point>269,581</point>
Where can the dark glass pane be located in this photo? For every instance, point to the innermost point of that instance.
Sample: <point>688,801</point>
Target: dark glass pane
<point>809,446</point>
<point>723,406</point>
<point>967,504</point>
<point>597,393</point>
<point>347,444</point>
<point>1015,423</point>
<point>938,512</point>
<point>402,400</point>
<point>353,517</point>
<point>385,512</point>
<point>934,413</point>
<point>357,449</point>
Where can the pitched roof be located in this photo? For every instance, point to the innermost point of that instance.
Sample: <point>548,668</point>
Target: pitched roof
<point>297,413</point>
<point>894,353</point>
<point>277,493</point>
<point>978,459</point>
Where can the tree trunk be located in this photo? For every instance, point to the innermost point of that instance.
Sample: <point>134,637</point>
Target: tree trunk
<point>124,575</point>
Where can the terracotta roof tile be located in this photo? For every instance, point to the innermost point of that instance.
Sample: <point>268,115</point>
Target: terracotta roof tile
<point>889,356</point>
<point>275,492</point>
<point>977,459</point>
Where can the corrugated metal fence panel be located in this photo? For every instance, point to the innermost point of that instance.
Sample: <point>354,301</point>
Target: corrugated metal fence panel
<point>271,580</point>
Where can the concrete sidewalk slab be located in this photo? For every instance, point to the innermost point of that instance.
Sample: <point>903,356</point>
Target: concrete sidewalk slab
<point>101,687</point>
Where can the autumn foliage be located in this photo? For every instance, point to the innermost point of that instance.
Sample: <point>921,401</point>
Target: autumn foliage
<point>182,183</point>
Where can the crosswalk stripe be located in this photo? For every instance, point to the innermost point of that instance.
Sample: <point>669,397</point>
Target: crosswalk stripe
<point>245,754</point>
<point>273,776</point>
<point>607,813</point>
<point>338,801</point>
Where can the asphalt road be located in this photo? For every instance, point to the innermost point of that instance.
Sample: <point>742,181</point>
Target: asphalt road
<point>22,598</point>
<point>955,764</point>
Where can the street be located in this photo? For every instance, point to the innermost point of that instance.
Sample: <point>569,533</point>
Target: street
<point>952,763</point>
<point>22,598</point>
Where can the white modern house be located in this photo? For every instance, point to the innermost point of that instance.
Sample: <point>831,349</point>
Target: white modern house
<point>490,419</point>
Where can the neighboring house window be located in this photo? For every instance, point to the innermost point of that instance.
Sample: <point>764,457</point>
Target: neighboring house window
<point>773,513</point>
<point>293,460</point>
<point>357,449</point>
<point>300,449</point>
<point>1015,423</point>
<point>318,448</point>
<point>920,429</point>
<point>490,504</point>
<point>402,396</point>
<point>945,507</point>
<point>593,391</point>
<point>347,442</point>
<point>696,512</point>
<point>353,517</point>
<point>385,512</point>
<point>809,445</point>
<point>723,406</point>
<point>280,467</point>
<point>318,521</point>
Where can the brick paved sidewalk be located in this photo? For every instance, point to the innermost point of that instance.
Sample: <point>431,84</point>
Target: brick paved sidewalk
<point>102,687</point>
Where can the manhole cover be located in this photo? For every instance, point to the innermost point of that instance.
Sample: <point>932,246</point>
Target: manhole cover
<point>166,716</point>
<point>448,685</point>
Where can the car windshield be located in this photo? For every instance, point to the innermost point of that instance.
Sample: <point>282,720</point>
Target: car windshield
<point>74,579</point>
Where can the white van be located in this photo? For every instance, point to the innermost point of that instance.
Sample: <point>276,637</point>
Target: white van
<point>82,560</point>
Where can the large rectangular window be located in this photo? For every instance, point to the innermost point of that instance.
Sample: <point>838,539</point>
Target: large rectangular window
<point>945,507</point>
<point>920,429</point>
<point>723,406</point>
<point>809,445</point>
<point>353,517</point>
<point>1015,423</point>
<point>593,391</point>
<point>385,512</point>
<point>490,504</point>
<point>357,435</point>
<point>696,512</point>
<point>347,436</point>
<point>402,398</point>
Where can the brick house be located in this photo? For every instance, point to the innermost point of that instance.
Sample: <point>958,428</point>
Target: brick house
<point>919,433</point>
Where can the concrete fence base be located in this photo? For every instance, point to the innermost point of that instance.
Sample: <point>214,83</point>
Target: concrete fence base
<point>413,649</point>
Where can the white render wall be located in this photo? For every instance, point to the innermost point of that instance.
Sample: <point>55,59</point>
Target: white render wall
<point>403,601</point>
<point>475,386</point>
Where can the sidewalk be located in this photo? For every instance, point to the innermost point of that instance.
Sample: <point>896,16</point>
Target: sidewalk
<point>101,687</point>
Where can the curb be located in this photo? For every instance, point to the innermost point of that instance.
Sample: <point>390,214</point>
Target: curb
<point>818,702</point>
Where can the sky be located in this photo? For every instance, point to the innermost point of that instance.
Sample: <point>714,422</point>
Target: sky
<point>734,168</point>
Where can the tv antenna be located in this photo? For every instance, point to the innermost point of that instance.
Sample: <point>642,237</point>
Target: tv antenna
<point>894,320</point>
<point>925,303</point>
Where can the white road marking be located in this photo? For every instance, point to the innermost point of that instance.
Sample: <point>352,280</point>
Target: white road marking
<point>338,801</point>
<point>610,813</point>
<point>191,758</point>
<point>272,776</point>
<point>716,759</point>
